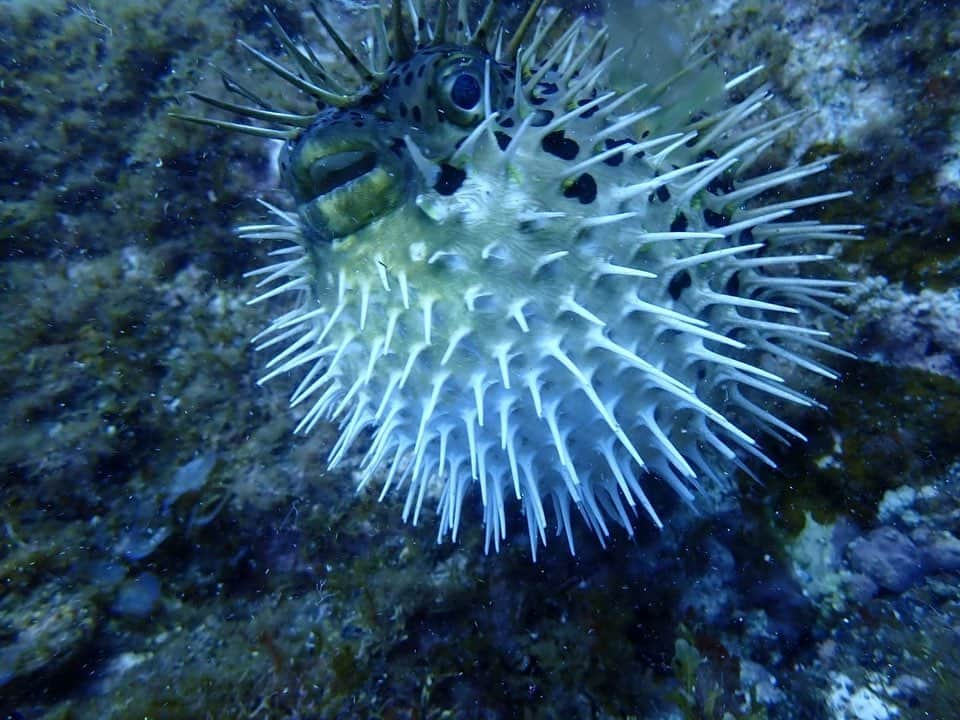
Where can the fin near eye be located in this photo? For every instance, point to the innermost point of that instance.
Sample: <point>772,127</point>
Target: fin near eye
<point>465,92</point>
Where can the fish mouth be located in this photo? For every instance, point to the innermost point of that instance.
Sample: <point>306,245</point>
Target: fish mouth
<point>343,183</point>
<point>340,169</point>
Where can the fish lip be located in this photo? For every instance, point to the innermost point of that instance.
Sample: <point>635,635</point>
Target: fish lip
<point>338,170</point>
<point>344,176</point>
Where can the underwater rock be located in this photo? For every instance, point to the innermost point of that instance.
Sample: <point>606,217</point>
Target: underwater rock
<point>43,634</point>
<point>897,327</point>
<point>137,597</point>
<point>939,550</point>
<point>859,587</point>
<point>847,701</point>
<point>888,557</point>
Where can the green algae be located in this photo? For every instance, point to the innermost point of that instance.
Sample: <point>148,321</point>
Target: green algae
<point>708,680</point>
<point>91,153</point>
<point>885,426</point>
<point>912,241</point>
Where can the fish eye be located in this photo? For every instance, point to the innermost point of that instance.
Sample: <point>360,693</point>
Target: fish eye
<point>459,88</point>
<point>465,91</point>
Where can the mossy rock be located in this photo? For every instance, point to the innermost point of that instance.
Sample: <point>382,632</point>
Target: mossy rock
<point>886,427</point>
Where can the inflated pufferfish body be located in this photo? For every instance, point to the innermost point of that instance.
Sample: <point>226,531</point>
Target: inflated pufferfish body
<point>520,284</point>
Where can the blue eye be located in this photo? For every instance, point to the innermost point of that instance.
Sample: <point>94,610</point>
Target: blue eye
<point>465,92</point>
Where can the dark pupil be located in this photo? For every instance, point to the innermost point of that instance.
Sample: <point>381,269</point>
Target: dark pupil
<point>466,91</point>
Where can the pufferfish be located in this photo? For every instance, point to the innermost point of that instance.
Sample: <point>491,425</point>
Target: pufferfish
<point>508,281</point>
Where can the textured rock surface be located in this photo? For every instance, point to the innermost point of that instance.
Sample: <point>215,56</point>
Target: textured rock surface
<point>887,557</point>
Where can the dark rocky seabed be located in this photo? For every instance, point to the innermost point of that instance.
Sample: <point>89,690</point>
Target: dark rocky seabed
<point>169,550</point>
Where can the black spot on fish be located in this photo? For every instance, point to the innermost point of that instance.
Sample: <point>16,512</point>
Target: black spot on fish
<point>678,283</point>
<point>449,180</point>
<point>732,286</point>
<point>663,193</point>
<point>417,115</point>
<point>584,189</point>
<point>721,185</point>
<point>557,144</point>
<point>589,113</point>
<point>714,219</point>
<point>541,118</point>
<point>609,144</point>
<point>502,139</point>
<point>679,223</point>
